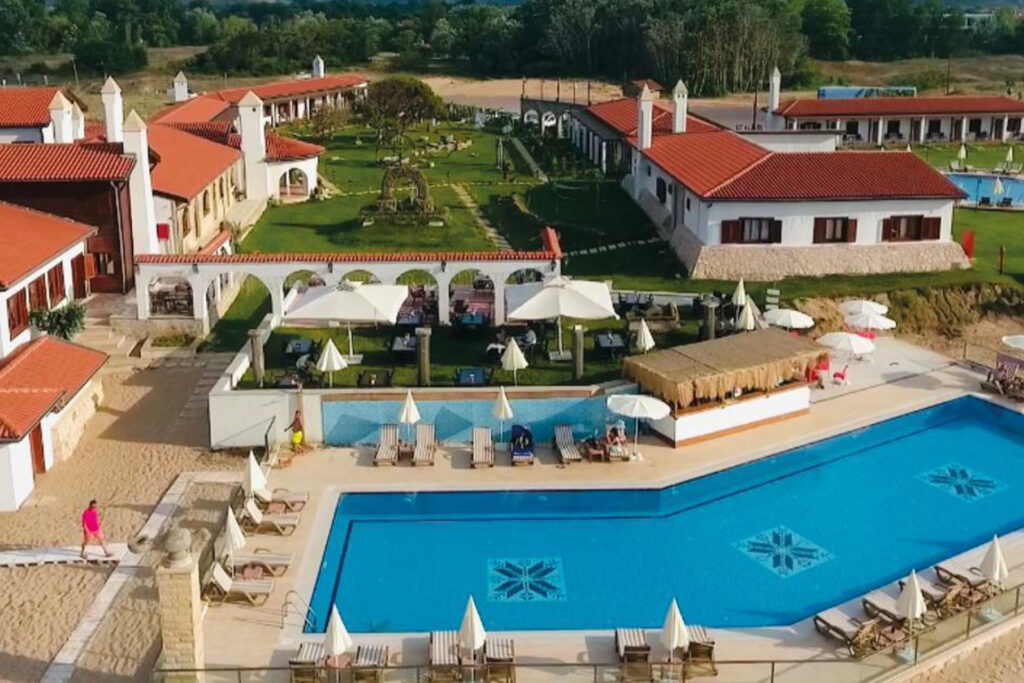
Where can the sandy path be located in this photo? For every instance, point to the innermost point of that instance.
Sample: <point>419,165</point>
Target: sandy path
<point>40,608</point>
<point>1001,661</point>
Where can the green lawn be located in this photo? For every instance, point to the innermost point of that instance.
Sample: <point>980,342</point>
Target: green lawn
<point>980,155</point>
<point>232,331</point>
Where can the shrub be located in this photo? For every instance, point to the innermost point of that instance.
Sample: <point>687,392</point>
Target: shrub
<point>64,322</point>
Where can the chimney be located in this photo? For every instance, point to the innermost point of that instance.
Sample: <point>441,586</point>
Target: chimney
<point>77,122</point>
<point>318,67</point>
<point>60,117</point>
<point>251,125</point>
<point>180,88</point>
<point>774,93</point>
<point>680,109</point>
<point>645,118</point>
<point>140,186</point>
<point>113,110</point>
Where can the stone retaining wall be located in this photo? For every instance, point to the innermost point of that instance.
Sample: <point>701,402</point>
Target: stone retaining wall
<point>68,428</point>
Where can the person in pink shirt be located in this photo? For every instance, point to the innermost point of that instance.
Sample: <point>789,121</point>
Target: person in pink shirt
<point>91,528</point>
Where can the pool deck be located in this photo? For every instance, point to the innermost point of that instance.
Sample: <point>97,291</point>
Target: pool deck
<point>902,378</point>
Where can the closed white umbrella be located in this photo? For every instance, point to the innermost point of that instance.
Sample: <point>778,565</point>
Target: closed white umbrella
<point>1015,341</point>
<point>997,187</point>
<point>870,321</point>
<point>961,153</point>
<point>1009,155</point>
<point>639,407</point>
<point>993,565</point>
<point>788,318</point>
<point>254,478</point>
<point>472,635</point>
<point>562,297</point>
<point>503,411</point>
<point>739,297</point>
<point>674,634</point>
<point>858,306</point>
<point>513,360</point>
<point>410,413</point>
<point>845,342</point>
<point>644,338</point>
<point>910,604</point>
<point>330,361</point>
<point>337,640</point>
<point>745,320</point>
<point>233,536</point>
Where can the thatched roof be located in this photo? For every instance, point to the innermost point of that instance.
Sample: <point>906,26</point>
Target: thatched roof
<point>712,370</point>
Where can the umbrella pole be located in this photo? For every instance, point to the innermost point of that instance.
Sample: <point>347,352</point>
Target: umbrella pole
<point>636,437</point>
<point>558,330</point>
<point>351,350</point>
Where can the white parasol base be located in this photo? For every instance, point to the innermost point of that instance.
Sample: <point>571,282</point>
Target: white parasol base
<point>354,360</point>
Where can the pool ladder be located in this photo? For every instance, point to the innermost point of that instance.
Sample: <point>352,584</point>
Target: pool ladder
<point>301,603</point>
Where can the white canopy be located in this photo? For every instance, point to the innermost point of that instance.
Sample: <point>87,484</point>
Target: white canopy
<point>330,360</point>
<point>745,320</point>
<point>788,318</point>
<point>911,604</point>
<point>858,306</point>
<point>993,565</point>
<point>1015,341</point>
<point>739,297</point>
<point>639,407</point>
<point>513,360</point>
<point>870,321</point>
<point>233,535</point>
<point>852,344</point>
<point>644,338</point>
<point>472,635</point>
<point>254,478</point>
<point>674,634</point>
<point>961,153</point>
<point>337,640</point>
<point>562,297</point>
<point>997,187</point>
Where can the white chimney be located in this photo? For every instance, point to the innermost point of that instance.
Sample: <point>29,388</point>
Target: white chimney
<point>645,118</point>
<point>113,110</point>
<point>318,67</point>
<point>140,187</point>
<point>180,87</point>
<point>774,93</point>
<point>680,108</point>
<point>77,122</point>
<point>251,125</point>
<point>60,117</point>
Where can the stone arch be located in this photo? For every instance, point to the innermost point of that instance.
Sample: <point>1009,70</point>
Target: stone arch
<point>304,278</point>
<point>471,290</point>
<point>423,301</point>
<point>293,184</point>
<point>524,275</point>
<point>548,118</point>
<point>531,116</point>
<point>399,172</point>
<point>361,275</point>
<point>169,295</point>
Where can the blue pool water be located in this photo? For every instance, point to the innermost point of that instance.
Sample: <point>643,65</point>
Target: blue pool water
<point>977,185</point>
<point>766,543</point>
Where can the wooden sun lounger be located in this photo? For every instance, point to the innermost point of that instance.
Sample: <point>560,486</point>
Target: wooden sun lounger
<point>222,588</point>
<point>255,520</point>
<point>634,655</point>
<point>565,443</point>
<point>293,501</point>
<point>387,449</point>
<point>942,598</point>
<point>499,660</point>
<point>952,571</point>
<point>426,444</point>
<point>859,637</point>
<point>370,663</point>
<point>880,604</point>
<point>275,564</point>
<point>483,447</point>
<point>701,654</point>
<point>444,661</point>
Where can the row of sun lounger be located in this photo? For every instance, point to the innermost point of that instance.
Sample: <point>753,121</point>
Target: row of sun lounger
<point>423,452</point>
<point>367,665</point>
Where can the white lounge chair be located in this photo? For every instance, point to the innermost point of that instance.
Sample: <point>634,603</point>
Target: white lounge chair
<point>565,443</point>
<point>275,564</point>
<point>426,444</point>
<point>293,501</point>
<point>859,637</point>
<point>222,587</point>
<point>255,520</point>
<point>483,447</point>
<point>387,449</point>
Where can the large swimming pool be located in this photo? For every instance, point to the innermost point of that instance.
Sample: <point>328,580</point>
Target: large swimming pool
<point>977,185</point>
<point>766,543</point>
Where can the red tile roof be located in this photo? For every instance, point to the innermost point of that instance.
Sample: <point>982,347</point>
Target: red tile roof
<point>31,238</point>
<point>188,163</point>
<point>837,175</point>
<point>38,376</point>
<point>621,114</point>
<point>28,107</point>
<point>349,257</point>
<point>35,162</point>
<point>292,88</point>
<point>703,161</point>
<point>199,109</point>
<point>902,106</point>
<point>284,149</point>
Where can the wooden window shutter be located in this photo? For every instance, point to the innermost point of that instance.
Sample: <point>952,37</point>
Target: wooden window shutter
<point>37,293</point>
<point>90,266</point>
<point>931,228</point>
<point>775,232</point>
<point>731,231</point>
<point>819,230</point>
<point>887,224</point>
<point>851,230</point>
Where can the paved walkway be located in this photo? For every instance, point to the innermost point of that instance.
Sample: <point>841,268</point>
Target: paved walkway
<point>492,233</point>
<point>69,554</point>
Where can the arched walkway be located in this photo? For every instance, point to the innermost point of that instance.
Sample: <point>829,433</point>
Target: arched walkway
<point>421,307</point>
<point>170,296</point>
<point>293,185</point>
<point>472,295</point>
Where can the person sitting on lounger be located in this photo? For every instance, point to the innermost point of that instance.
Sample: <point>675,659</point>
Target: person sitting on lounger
<point>615,438</point>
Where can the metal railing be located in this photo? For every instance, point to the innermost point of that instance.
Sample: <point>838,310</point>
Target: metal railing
<point>303,608</point>
<point>985,356</point>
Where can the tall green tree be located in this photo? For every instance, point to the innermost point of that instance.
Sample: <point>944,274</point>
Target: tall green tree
<point>826,23</point>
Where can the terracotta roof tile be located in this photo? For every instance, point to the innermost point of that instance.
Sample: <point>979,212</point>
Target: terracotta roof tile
<point>29,107</point>
<point>346,257</point>
<point>283,149</point>
<point>35,162</point>
<point>188,163</point>
<point>31,238</point>
<point>703,161</point>
<point>38,375</point>
<point>906,106</point>
<point>291,88</point>
<point>199,109</point>
<point>621,115</point>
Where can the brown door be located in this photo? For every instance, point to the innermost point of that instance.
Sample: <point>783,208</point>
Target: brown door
<point>78,277</point>
<point>35,442</point>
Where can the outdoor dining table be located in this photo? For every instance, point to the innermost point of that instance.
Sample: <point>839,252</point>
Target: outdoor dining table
<point>610,343</point>
<point>404,345</point>
<point>298,347</point>
<point>410,318</point>
<point>472,319</point>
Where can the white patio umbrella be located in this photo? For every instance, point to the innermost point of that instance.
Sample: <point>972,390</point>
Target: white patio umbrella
<point>1014,341</point>
<point>745,320</point>
<point>233,536</point>
<point>845,342</point>
<point>349,302</point>
<point>562,297</point>
<point>337,640</point>
<point>644,338</point>
<point>993,565</point>
<point>910,604</point>
<point>410,413</point>
<point>254,479</point>
<point>961,153</point>
<point>870,321</point>
<point>503,411</point>
<point>330,361</point>
<point>639,407</point>
<point>788,318</point>
<point>858,306</point>
<point>472,635</point>
<point>739,297</point>
<point>1009,155</point>
<point>997,187</point>
<point>513,360</point>
<point>674,634</point>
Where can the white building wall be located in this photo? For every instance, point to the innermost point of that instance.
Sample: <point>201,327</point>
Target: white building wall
<point>276,169</point>
<point>782,141</point>
<point>7,344</point>
<point>16,480</point>
<point>163,210</point>
<point>9,135</point>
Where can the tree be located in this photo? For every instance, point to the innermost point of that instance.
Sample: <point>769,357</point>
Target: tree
<point>64,322</point>
<point>327,120</point>
<point>394,104</point>
<point>826,23</point>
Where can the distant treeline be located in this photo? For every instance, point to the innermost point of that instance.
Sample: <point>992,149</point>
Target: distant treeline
<point>716,46</point>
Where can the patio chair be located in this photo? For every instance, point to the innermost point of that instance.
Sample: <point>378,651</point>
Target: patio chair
<point>1014,169</point>
<point>700,658</point>
<point>943,599</point>
<point>222,588</point>
<point>274,564</point>
<point>443,656</point>
<point>1006,202</point>
<point>387,448</point>
<point>483,447</point>
<point>499,660</point>
<point>565,443</point>
<point>858,637</point>
<point>957,166</point>
<point>952,572</point>
<point>255,520</point>
<point>370,662</point>
<point>1000,168</point>
<point>426,444</point>
<point>985,201</point>
<point>521,445</point>
<point>293,501</point>
<point>634,655</point>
